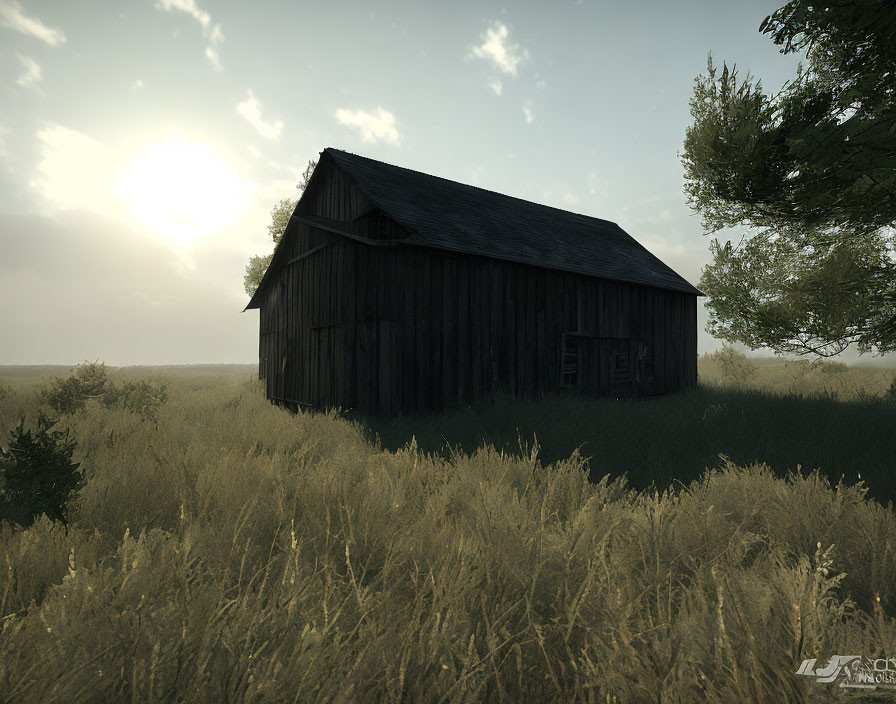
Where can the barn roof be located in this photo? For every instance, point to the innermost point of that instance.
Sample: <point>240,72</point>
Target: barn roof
<point>453,216</point>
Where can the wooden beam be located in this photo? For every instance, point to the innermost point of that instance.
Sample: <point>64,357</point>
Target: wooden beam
<point>316,222</point>
<point>309,252</point>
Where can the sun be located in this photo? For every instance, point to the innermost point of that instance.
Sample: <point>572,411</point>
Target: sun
<point>182,190</point>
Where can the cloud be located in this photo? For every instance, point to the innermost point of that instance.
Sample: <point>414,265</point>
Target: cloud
<point>664,216</point>
<point>496,86</point>
<point>212,56</point>
<point>250,109</point>
<point>528,113</point>
<point>539,81</point>
<point>594,189</point>
<point>188,6</point>
<point>15,18</point>
<point>215,35</point>
<point>32,71</point>
<point>570,198</point>
<point>496,48</point>
<point>373,127</point>
<point>254,151</point>
<point>73,170</point>
<point>138,83</point>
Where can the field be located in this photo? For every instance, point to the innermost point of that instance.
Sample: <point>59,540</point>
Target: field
<point>228,550</point>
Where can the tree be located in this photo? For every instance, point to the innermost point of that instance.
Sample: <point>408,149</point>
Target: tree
<point>280,215</point>
<point>814,170</point>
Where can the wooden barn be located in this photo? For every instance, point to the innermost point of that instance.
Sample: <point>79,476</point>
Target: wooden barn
<point>395,291</point>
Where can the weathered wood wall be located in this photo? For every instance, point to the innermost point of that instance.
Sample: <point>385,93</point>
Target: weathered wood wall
<point>402,328</point>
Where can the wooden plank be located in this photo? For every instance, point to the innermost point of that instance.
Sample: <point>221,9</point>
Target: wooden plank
<point>338,305</point>
<point>540,351</point>
<point>464,375</point>
<point>476,332</point>
<point>362,369</point>
<point>422,361</point>
<point>512,318</point>
<point>531,348</point>
<point>484,294</point>
<point>495,332</point>
<point>449,331</point>
<point>350,293</point>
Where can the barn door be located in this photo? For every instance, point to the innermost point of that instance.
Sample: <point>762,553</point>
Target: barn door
<point>603,366</point>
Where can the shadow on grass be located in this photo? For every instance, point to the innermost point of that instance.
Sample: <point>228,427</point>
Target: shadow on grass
<point>670,439</point>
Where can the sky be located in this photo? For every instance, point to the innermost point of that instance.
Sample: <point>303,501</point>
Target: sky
<point>143,144</point>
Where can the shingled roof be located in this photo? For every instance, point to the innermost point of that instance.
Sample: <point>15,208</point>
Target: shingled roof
<point>453,216</point>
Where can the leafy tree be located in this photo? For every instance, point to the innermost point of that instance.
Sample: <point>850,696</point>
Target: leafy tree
<point>814,170</point>
<point>280,215</point>
<point>37,472</point>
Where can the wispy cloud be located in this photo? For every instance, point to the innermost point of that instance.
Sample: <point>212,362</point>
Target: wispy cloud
<point>212,55</point>
<point>250,109</point>
<point>570,198</point>
<point>496,48</point>
<point>31,73</point>
<point>138,83</point>
<point>528,113</point>
<point>214,34</point>
<point>496,86</point>
<point>15,18</point>
<point>373,127</point>
<point>539,81</point>
<point>595,189</point>
<point>188,6</point>
<point>3,132</point>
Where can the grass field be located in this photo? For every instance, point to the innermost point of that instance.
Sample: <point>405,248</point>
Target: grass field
<point>232,551</point>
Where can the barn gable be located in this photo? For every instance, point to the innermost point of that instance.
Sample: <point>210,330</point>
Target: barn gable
<point>430,211</point>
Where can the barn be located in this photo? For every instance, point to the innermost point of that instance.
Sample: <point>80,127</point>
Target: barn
<point>393,291</point>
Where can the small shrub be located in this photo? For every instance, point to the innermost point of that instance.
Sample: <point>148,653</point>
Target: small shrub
<point>890,393</point>
<point>37,473</point>
<point>90,380</point>
<point>66,396</point>
<point>736,369</point>
<point>139,397</point>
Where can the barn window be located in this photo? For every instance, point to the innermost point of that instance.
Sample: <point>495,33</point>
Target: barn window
<point>569,361</point>
<point>620,362</point>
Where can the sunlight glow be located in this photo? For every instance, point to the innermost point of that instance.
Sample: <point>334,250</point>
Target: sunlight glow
<point>182,190</point>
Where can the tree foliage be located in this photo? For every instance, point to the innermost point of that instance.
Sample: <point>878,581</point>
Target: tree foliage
<point>813,169</point>
<point>280,215</point>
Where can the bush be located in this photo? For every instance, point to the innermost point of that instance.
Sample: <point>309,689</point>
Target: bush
<point>736,369</point>
<point>90,380</point>
<point>37,473</point>
<point>890,393</point>
<point>66,396</point>
<point>139,397</point>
